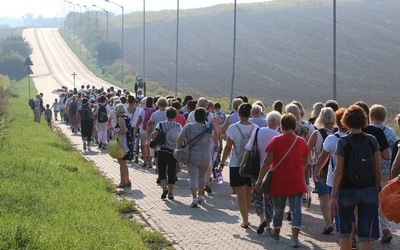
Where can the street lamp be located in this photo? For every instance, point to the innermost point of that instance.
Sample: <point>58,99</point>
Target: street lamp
<point>177,47</point>
<point>106,11</point>
<point>144,40</point>
<point>87,33</point>
<point>80,28</point>
<point>122,42</point>
<point>234,57</point>
<point>334,49</point>
<point>74,22</point>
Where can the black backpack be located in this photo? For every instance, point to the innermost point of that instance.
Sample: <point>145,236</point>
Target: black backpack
<point>72,108</point>
<point>360,162</point>
<point>31,103</point>
<point>86,113</point>
<point>102,113</point>
<point>324,134</point>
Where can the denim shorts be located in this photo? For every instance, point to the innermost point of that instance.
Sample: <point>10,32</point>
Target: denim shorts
<point>366,200</point>
<point>322,187</point>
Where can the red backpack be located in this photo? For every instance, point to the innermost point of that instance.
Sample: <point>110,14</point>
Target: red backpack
<point>147,114</point>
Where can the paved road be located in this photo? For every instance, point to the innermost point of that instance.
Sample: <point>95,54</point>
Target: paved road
<point>214,225</point>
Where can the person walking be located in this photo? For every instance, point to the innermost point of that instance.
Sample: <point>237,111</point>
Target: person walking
<point>287,155</point>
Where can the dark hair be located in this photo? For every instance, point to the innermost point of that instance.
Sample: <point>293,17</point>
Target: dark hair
<point>177,105</point>
<point>191,104</point>
<point>243,97</point>
<point>332,104</point>
<point>47,105</point>
<point>102,99</point>
<point>288,121</point>
<point>149,102</point>
<point>85,100</point>
<point>278,106</point>
<point>244,110</point>
<point>200,115</point>
<point>364,106</point>
<point>131,99</point>
<point>187,98</point>
<point>355,117</point>
<point>171,113</point>
<point>217,105</point>
<point>123,99</point>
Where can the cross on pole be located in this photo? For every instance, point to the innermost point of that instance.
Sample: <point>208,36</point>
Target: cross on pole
<point>74,75</point>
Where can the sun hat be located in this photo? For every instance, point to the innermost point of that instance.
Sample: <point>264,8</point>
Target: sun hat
<point>172,135</point>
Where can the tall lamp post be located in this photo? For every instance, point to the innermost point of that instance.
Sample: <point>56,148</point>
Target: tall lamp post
<point>144,40</point>
<point>122,42</point>
<point>334,49</point>
<point>177,48</point>
<point>106,11</point>
<point>80,28</point>
<point>74,22</point>
<point>234,57</point>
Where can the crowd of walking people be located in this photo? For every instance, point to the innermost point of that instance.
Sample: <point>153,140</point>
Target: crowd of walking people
<point>324,150</point>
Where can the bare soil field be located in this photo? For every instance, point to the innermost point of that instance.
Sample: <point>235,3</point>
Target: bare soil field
<point>280,54</point>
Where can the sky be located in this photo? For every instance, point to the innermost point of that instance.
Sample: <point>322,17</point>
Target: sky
<point>58,8</point>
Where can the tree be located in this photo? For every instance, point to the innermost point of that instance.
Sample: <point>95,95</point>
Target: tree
<point>114,53</point>
<point>12,65</point>
<point>18,44</point>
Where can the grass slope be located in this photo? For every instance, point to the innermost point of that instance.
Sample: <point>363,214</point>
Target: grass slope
<point>51,198</point>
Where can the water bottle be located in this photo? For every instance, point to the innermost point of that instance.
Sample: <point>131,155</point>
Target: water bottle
<point>219,177</point>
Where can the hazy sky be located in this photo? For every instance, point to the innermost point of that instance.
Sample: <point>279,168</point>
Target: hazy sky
<point>55,8</point>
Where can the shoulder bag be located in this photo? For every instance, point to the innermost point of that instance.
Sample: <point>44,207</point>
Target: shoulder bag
<point>268,177</point>
<point>251,168</point>
<point>115,148</point>
<point>182,154</point>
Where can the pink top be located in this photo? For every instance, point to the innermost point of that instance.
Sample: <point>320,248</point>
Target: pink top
<point>180,119</point>
<point>288,179</point>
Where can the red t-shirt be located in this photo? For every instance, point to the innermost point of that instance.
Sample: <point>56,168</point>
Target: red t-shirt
<point>180,119</point>
<point>288,179</point>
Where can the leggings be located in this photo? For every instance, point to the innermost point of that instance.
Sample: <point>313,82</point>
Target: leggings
<point>166,162</point>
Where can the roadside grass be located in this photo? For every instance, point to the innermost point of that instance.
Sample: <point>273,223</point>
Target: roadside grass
<point>52,198</point>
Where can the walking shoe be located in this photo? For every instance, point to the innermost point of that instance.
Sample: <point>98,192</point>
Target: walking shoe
<point>89,149</point>
<point>387,236</point>
<point>200,199</point>
<point>295,244</point>
<point>100,144</point>
<point>136,159</point>
<point>261,227</point>
<point>164,193</point>
<point>289,216</point>
<point>194,203</point>
<point>170,196</point>
<point>144,165</point>
<point>84,145</point>
<point>268,233</point>
<point>208,189</point>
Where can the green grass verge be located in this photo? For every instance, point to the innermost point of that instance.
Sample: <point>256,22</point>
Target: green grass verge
<point>52,198</point>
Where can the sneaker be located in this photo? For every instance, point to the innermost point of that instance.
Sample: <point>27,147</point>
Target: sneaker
<point>84,145</point>
<point>386,237</point>
<point>89,149</point>
<point>100,144</point>
<point>261,227</point>
<point>164,193</point>
<point>295,244</point>
<point>208,189</point>
<point>289,216</point>
<point>200,199</point>
<point>136,159</point>
<point>170,196</point>
<point>193,205</point>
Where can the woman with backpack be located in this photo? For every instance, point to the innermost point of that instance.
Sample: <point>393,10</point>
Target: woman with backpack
<point>141,124</point>
<point>356,179</point>
<point>72,110</point>
<point>123,131</point>
<point>238,134</point>
<point>102,113</point>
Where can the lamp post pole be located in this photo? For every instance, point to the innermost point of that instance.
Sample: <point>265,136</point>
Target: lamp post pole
<point>234,57</point>
<point>177,48</point>
<point>122,41</point>
<point>106,11</point>
<point>144,40</point>
<point>334,49</point>
<point>74,24</point>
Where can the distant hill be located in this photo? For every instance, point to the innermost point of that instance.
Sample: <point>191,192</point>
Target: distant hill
<point>280,54</point>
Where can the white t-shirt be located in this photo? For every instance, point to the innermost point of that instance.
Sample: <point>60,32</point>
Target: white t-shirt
<point>233,133</point>
<point>191,119</point>
<point>134,117</point>
<point>158,116</point>
<point>264,136</point>
<point>329,146</point>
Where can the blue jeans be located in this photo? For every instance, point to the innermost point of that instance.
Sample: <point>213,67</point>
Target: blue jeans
<point>366,201</point>
<point>322,187</point>
<point>279,207</point>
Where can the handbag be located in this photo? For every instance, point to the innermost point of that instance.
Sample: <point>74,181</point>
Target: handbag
<point>251,168</point>
<point>160,139</point>
<point>182,154</point>
<point>115,148</point>
<point>268,177</point>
